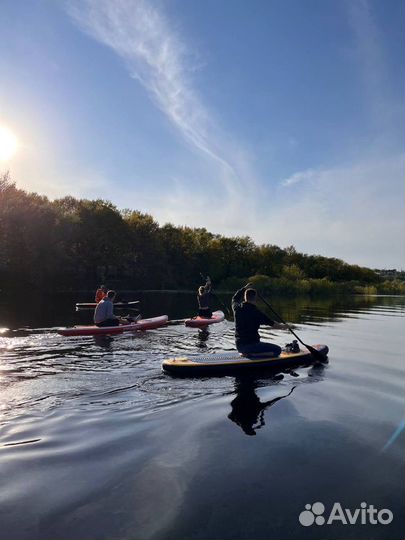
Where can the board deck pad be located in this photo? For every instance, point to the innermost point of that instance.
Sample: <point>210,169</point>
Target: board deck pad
<point>229,358</point>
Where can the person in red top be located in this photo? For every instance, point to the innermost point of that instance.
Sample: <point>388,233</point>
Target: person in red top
<point>101,293</point>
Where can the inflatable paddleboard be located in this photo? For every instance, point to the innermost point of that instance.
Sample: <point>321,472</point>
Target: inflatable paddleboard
<point>219,364</point>
<point>142,324</point>
<point>197,322</point>
<point>92,305</point>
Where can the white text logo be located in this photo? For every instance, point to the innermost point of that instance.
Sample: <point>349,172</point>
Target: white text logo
<point>365,515</point>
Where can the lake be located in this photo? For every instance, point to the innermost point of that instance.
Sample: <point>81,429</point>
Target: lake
<point>97,443</point>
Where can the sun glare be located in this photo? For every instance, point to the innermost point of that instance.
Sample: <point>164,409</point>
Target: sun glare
<point>8,144</point>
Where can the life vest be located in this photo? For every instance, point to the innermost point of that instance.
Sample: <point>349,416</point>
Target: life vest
<point>100,294</point>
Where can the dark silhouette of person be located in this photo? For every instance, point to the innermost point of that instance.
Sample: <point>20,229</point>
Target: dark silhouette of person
<point>247,409</point>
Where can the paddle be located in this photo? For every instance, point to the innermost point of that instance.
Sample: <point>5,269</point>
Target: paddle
<point>318,355</point>
<point>176,321</point>
<point>218,299</point>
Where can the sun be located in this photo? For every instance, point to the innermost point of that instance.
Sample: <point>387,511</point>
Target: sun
<point>8,143</point>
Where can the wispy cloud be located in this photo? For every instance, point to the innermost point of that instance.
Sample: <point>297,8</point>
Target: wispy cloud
<point>302,176</point>
<point>352,211</point>
<point>159,59</point>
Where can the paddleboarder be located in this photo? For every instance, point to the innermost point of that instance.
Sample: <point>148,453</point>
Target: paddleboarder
<point>104,313</point>
<point>204,299</point>
<point>248,319</point>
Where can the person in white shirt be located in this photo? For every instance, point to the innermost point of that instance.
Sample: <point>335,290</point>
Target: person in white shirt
<point>104,312</point>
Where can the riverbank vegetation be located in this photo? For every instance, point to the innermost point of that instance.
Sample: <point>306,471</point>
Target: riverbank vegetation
<point>72,244</point>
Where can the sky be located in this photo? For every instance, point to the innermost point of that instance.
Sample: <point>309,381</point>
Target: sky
<point>282,120</point>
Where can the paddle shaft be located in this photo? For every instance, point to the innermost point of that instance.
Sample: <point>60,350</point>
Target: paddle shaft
<point>313,351</point>
<point>176,321</point>
<point>222,304</point>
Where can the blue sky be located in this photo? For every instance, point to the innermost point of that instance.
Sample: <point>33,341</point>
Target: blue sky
<point>278,119</point>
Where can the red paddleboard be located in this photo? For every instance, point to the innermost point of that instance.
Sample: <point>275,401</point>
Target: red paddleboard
<point>197,322</point>
<point>142,324</point>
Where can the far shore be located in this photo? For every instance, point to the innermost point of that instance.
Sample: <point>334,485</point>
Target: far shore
<point>134,292</point>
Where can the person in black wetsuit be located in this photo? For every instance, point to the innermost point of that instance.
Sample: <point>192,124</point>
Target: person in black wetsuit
<point>248,319</point>
<point>204,299</point>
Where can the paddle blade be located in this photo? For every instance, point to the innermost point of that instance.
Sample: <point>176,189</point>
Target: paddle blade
<point>317,354</point>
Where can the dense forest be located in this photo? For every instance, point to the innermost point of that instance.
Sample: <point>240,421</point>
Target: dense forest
<point>74,244</point>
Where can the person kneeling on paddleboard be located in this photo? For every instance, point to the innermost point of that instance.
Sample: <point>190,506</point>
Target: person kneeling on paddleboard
<point>248,319</point>
<point>203,299</point>
<point>104,312</point>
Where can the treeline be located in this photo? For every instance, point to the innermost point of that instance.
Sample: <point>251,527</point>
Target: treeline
<point>73,244</point>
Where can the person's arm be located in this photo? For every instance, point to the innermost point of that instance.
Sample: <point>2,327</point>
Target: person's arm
<point>95,316</point>
<point>237,298</point>
<point>110,311</point>
<point>263,319</point>
<point>269,322</point>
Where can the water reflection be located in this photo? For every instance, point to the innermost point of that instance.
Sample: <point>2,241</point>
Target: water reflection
<point>60,310</point>
<point>103,341</point>
<point>202,338</point>
<point>317,371</point>
<point>247,409</point>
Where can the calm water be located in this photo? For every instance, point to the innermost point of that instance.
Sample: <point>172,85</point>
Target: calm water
<point>97,443</point>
